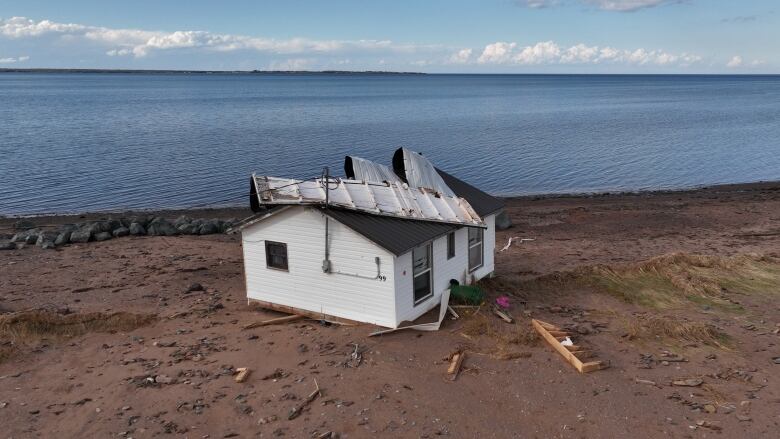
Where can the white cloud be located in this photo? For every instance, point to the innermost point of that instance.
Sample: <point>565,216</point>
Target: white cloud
<point>628,5</point>
<point>734,62</point>
<point>139,43</point>
<point>461,57</point>
<point>12,60</point>
<point>496,53</point>
<point>537,4</point>
<point>606,5</point>
<point>548,52</point>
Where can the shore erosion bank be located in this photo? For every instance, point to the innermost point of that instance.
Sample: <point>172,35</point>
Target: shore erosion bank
<point>140,336</point>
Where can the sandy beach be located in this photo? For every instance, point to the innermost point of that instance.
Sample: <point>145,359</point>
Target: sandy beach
<point>676,291</point>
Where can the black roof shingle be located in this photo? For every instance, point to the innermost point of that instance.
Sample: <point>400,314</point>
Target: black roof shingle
<point>483,203</point>
<point>397,235</point>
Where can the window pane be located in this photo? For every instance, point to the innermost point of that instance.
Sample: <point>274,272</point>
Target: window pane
<point>475,257</point>
<point>475,236</point>
<point>420,258</point>
<point>422,286</point>
<point>451,245</point>
<point>276,255</point>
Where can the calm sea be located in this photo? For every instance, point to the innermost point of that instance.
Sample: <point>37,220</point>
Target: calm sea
<point>90,142</point>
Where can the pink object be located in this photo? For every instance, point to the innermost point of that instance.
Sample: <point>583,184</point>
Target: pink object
<point>503,301</point>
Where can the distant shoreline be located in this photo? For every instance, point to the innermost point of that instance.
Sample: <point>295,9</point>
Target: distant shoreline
<point>207,72</point>
<point>348,72</point>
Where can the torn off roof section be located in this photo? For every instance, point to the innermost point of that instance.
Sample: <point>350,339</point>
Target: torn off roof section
<point>383,199</point>
<point>356,168</point>
<point>417,171</point>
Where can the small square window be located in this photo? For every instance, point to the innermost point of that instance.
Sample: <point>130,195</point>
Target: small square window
<point>276,255</point>
<point>451,245</point>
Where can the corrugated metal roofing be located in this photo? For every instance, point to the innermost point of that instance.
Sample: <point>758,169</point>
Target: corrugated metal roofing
<point>397,235</point>
<point>383,199</point>
<point>419,172</point>
<point>483,203</point>
<point>366,170</point>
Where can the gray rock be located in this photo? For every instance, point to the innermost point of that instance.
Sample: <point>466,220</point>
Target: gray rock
<point>143,220</point>
<point>68,228</point>
<point>503,221</point>
<point>188,229</point>
<point>113,224</point>
<point>63,238</point>
<point>7,245</point>
<point>209,228</point>
<point>161,227</point>
<point>47,236</point>
<point>24,225</point>
<point>32,238</point>
<point>99,227</point>
<point>103,236</point>
<point>81,235</point>
<point>120,232</point>
<point>48,245</point>
<point>27,237</point>
<point>195,287</point>
<point>181,221</point>
<point>776,360</point>
<point>137,229</point>
<point>227,224</point>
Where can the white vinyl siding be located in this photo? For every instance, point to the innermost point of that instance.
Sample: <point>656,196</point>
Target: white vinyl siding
<point>304,285</point>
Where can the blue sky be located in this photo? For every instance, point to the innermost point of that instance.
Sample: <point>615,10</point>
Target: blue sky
<point>487,36</point>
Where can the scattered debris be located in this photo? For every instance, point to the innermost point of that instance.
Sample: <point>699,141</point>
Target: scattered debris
<point>503,315</point>
<point>688,382</point>
<point>276,321</point>
<point>456,362</point>
<point>648,382</point>
<point>243,374</point>
<point>514,239</point>
<point>434,326</point>
<point>296,411</point>
<point>551,333</point>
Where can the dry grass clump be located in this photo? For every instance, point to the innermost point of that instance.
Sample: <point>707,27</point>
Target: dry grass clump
<point>676,330</point>
<point>507,338</point>
<point>673,280</point>
<point>33,325</point>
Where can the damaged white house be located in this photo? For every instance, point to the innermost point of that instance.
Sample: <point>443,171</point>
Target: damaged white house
<point>378,246</point>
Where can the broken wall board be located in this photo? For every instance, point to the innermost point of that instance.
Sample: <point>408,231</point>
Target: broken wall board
<point>544,330</point>
<point>433,326</point>
<point>276,321</point>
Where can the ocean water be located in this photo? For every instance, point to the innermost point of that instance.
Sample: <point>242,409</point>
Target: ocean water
<point>76,142</point>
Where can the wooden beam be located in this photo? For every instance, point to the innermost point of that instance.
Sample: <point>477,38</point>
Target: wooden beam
<point>310,314</point>
<point>276,321</point>
<point>565,353</point>
<point>456,364</point>
<point>243,374</point>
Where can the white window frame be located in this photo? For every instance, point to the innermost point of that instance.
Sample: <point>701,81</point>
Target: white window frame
<point>481,245</point>
<point>428,248</point>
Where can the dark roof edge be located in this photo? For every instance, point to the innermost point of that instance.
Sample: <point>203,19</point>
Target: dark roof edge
<point>378,242</point>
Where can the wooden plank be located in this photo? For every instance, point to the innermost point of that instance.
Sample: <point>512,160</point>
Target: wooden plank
<point>565,353</point>
<point>243,374</point>
<point>310,314</point>
<point>504,316</point>
<point>549,326</point>
<point>457,363</point>
<point>276,321</point>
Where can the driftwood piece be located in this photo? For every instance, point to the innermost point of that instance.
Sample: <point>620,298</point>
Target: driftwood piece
<point>243,374</point>
<point>455,364</point>
<point>296,411</point>
<point>504,316</point>
<point>276,321</point>
<point>544,330</point>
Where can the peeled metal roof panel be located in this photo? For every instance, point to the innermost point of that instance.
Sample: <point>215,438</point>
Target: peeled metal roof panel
<point>390,199</point>
<point>421,173</point>
<point>361,169</point>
